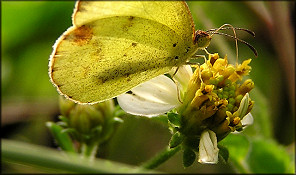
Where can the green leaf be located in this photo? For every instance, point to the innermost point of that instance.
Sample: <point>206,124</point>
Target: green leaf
<point>174,119</point>
<point>189,157</point>
<point>261,113</point>
<point>238,147</point>
<point>223,153</point>
<point>49,159</point>
<point>266,156</point>
<point>176,139</point>
<point>257,155</point>
<point>62,138</point>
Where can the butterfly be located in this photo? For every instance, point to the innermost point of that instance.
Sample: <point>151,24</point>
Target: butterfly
<point>115,46</point>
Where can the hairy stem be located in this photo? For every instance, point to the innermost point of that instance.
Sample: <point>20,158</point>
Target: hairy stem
<point>161,157</point>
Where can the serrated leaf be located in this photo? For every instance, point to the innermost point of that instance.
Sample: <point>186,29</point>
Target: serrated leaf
<point>174,119</point>
<point>189,157</point>
<point>176,139</point>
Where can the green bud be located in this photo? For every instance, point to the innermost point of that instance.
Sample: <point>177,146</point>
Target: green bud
<point>226,93</point>
<point>220,78</point>
<point>229,107</point>
<point>226,88</point>
<point>220,90</point>
<point>220,96</point>
<point>238,99</point>
<point>231,93</point>
<point>231,101</point>
<point>65,105</point>
<point>206,75</point>
<point>213,81</point>
<point>247,86</point>
<point>232,87</point>
<point>84,117</point>
<point>227,82</point>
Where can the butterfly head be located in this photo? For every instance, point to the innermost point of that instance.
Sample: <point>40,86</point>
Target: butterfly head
<point>202,39</point>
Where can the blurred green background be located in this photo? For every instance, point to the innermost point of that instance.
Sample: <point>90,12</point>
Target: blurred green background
<point>28,99</point>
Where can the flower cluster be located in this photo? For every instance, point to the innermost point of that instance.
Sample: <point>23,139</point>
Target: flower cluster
<point>205,105</point>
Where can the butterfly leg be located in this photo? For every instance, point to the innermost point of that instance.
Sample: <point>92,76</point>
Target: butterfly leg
<point>195,58</point>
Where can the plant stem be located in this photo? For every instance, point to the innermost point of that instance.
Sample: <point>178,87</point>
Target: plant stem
<point>89,151</point>
<point>161,157</point>
<point>54,161</point>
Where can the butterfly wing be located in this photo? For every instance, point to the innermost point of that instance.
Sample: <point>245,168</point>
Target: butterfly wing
<point>114,46</point>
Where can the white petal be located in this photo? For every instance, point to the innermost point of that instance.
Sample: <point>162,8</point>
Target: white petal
<point>160,89</point>
<point>151,98</point>
<point>247,120</point>
<point>208,149</point>
<point>243,106</point>
<point>182,76</point>
<point>136,105</point>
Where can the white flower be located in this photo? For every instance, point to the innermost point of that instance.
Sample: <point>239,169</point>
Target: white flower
<point>157,96</point>
<point>208,150</point>
<point>162,94</point>
<point>247,120</point>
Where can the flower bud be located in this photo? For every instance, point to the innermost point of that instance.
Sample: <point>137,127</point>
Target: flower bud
<point>88,123</point>
<point>247,86</point>
<point>65,105</point>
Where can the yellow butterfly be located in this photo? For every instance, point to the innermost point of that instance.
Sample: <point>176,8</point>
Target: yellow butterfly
<point>114,46</point>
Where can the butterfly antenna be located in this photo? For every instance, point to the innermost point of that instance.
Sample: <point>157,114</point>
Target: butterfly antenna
<point>242,41</point>
<point>233,29</point>
<point>236,28</point>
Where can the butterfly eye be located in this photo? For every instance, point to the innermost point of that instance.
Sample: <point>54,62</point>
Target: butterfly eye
<point>202,39</point>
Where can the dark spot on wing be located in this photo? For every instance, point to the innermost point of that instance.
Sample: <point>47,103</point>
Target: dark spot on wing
<point>176,57</point>
<point>134,44</point>
<point>174,45</point>
<point>82,35</point>
<point>131,18</point>
<point>129,92</point>
<point>188,48</point>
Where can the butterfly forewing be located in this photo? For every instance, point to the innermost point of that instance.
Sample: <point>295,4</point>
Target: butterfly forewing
<point>114,46</point>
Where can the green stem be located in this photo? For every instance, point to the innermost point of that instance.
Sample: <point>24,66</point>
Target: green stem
<point>54,161</point>
<point>161,157</point>
<point>89,151</point>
